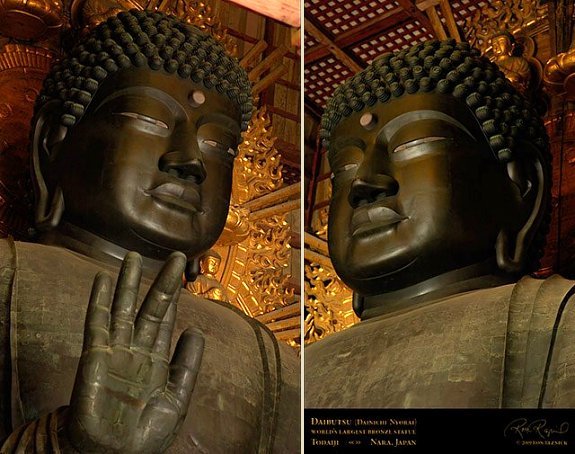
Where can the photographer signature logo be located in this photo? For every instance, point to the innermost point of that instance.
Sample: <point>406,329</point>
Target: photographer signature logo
<point>535,432</point>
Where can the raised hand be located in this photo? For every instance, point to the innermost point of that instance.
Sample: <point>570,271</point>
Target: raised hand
<point>128,397</point>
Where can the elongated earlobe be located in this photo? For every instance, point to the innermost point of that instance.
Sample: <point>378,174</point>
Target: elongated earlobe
<point>511,262</point>
<point>47,134</point>
<point>512,248</point>
<point>48,217</point>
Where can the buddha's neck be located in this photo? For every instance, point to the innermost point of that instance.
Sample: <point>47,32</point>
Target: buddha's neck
<point>473,277</point>
<point>86,243</point>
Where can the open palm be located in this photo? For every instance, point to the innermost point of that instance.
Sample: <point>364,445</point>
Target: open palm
<point>128,397</point>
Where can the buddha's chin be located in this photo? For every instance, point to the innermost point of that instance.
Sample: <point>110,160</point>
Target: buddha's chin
<point>161,245</point>
<point>366,280</point>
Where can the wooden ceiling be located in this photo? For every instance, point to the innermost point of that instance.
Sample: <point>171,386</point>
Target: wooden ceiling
<point>344,36</point>
<point>280,74</point>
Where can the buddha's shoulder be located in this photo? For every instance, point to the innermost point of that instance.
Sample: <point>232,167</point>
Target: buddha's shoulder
<point>540,301</point>
<point>42,258</point>
<point>514,307</point>
<point>449,310</point>
<point>224,320</point>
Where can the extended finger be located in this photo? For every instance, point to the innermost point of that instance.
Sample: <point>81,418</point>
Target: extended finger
<point>162,292</point>
<point>96,329</point>
<point>185,366</point>
<point>164,339</point>
<point>125,299</point>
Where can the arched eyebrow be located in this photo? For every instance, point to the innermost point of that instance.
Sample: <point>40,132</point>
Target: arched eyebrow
<point>394,125</point>
<point>150,92</point>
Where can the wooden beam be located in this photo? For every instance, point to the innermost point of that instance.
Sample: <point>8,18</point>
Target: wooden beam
<point>268,81</point>
<point>318,258</point>
<point>424,4</point>
<point>281,208</point>
<point>413,11</point>
<point>267,97</point>
<point>372,27</point>
<point>274,198</point>
<point>295,240</point>
<point>283,113</point>
<point>279,314</point>
<point>290,153</point>
<point>450,20</point>
<point>436,23</point>
<point>272,59</point>
<point>250,39</point>
<point>287,323</point>
<point>254,52</point>
<point>347,59</point>
<point>320,205</point>
<point>289,84</point>
<point>312,108</point>
<point>284,11</point>
<point>288,334</point>
<point>316,243</point>
<point>239,35</point>
<point>287,162</point>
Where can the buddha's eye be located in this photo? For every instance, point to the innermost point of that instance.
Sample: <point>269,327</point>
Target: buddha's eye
<point>211,143</point>
<point>145,118</point>
<point>342,169</point>
<point>413,143</point>
<point>214,144</point>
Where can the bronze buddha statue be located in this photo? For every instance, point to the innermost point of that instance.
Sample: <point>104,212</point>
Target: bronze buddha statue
<point>133,145</point>
<point>441,202</point>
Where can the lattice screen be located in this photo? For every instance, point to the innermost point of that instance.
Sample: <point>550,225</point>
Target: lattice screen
<point>402,37</point>
<point>309,41</point>
<point>322,77</point>
<point>462,9</point>
<point>339,16</point>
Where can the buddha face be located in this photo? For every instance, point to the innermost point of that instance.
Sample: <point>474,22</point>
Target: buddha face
<point>501,45</point>
<point>149,165</point>
<point>210,265</point>
<point>417,192</point>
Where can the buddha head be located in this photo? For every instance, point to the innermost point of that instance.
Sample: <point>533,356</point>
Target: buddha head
<point>503,44</point>
<point>210,263</point>
<point>438,165</point>
<point>135,134</point>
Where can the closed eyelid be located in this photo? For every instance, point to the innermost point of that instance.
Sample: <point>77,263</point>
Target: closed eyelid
<point>413,143</point>
<point>147,119</point>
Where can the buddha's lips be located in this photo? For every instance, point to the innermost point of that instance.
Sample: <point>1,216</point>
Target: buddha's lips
<point>174,193</point>
<point>372,216</point>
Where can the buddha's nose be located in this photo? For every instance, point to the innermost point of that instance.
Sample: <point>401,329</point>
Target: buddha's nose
<point>182,165</point>
<point>366,191</point>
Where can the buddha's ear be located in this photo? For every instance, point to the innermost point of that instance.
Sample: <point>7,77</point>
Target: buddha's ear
<point>47,134</point>
<point>528,173</point>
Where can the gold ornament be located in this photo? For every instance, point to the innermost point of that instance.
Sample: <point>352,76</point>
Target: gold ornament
<point>255,249</point>
<point>328,303</point>
<point>559,74</point>
<point>498,15</point>
<point>259,171</point>
<point>31,20</point>
<point>269,239</point>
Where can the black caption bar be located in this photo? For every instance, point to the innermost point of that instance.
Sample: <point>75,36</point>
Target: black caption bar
<point>414,430</point>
